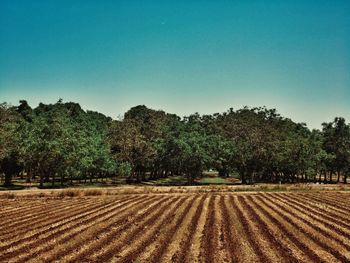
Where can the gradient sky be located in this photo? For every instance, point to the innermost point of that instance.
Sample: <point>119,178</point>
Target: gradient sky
<point>179,56</point>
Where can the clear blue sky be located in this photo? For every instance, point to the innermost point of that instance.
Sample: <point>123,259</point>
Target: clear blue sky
<point>179,56</point>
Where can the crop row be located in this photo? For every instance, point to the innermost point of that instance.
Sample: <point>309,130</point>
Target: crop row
<point>266,227</point>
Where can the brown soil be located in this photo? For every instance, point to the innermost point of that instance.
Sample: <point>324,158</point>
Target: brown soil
<point>177,227</point>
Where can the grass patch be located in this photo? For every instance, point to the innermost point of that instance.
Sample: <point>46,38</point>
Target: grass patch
<point>212,180</point>
<point>169,181</point>
<point>12,187</point>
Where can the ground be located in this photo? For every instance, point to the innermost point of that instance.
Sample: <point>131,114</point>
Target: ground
<point>296,223</point>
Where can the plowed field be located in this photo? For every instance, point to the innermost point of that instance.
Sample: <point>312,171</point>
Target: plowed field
<point>208,227</point>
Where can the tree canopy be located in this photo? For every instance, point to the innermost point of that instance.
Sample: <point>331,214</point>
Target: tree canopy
<point>61,142</point>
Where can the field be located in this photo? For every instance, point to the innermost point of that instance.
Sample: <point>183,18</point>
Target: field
<point>177,227</point>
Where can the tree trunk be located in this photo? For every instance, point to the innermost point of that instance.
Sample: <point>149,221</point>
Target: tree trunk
<point>138,176</point>
<point>62,179</point>
<point>331,177</point>
<point>53,179</point>
<point>243,178</point>
<point>41,180</point>
<point>8,179</point>
<point>190,179</point>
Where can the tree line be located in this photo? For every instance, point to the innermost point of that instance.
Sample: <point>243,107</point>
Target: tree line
<point>59,143</point>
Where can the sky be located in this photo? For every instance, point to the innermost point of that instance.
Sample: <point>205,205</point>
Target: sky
<point>179,56</point>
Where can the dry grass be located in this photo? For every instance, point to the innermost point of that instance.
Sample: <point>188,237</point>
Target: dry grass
<point>69,193</point>
<point>93,192</point>
<point>9,195</point>
<point>79,192</point>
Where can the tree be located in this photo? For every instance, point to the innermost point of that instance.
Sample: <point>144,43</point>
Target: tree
<point>9,163</point>
<point>129,145</point>
<point>337,143</point>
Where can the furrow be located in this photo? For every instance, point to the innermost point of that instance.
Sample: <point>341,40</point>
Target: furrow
<point>138,235</point>
<point>257,236</point>
<point>192,253</point>
<point>299,224</point>
<point>166,237</point>
<point>59,215</point>
<point>340,209</point>
<point>119,240</point>
<point>49,226</point>
<point>229,238</point>
<point>38,211</point>
<point>245,252</point>
<point>152,234</point>
<point>33,210</point>
<point>287,241</point>
<point>29,243</point>
<point>102,235</point>
<point>208,239</point>
<point>291,232</point>
<point>20,206</point>
<point>186,235</point>
<point>285,252</point>
<point>323,218</point>
<point>317,209</point>
<point>222,241</point>
<point>311,222</point>
<point>61,242</point>
<point>337,198</point>
<point>340,215</point>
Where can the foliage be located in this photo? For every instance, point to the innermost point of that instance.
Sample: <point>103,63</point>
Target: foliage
<point>62,142</point>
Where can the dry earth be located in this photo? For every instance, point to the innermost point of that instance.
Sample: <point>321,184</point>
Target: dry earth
<point>177,227</point>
